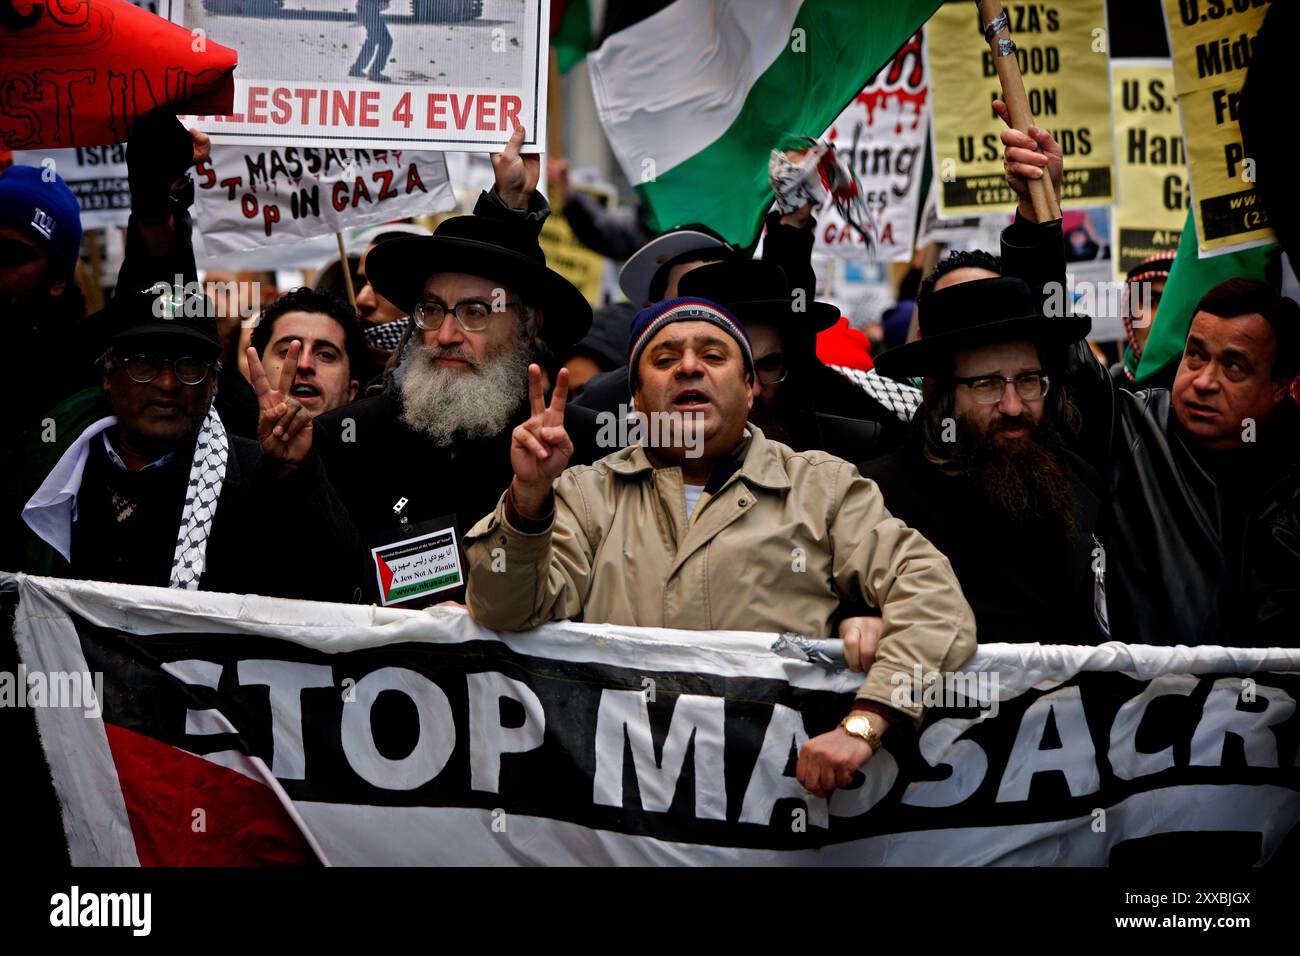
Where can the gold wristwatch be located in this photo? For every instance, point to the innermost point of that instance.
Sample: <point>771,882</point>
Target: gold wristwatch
<point>859,726</point>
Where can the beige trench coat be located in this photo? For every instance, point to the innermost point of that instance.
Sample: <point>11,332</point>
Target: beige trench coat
<point>777,547</point>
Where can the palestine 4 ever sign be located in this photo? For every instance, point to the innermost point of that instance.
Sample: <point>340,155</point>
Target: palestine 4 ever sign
<point>250,730</point>
<point>398,74</point>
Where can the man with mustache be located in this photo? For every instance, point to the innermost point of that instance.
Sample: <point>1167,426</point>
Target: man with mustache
<point>427,455</point>
<point>1201,521</point>
<point>331,346</point>
<point>699,534</point>
<point>987,472</point>
<point>154,490</point>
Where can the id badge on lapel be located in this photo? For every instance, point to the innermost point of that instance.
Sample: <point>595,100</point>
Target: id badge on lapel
<point>417,560</point>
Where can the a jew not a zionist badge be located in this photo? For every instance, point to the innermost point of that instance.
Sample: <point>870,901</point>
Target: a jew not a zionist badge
<point>420,565</point>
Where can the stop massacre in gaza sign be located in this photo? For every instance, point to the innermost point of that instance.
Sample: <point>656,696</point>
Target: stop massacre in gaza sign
<point>301,732</point>
<point>414,74</point>
<point>253,196</point>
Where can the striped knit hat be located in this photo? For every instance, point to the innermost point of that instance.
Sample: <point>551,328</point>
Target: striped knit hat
<point>652,318</point>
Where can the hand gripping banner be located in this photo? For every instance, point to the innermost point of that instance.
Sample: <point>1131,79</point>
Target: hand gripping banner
<point>193,728</point>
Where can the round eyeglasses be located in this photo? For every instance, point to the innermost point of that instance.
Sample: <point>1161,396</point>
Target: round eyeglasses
<point>144,368</point>
<point>989,389</point>
<point>771,369</point>
<point>472,316</point>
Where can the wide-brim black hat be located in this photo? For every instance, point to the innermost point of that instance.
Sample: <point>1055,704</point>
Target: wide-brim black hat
<point>970,314</point>
<point>492,250</point>
<point>679,244</point>
<point>757,292</point>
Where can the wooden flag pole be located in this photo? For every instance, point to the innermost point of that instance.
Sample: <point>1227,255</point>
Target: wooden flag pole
<point>555,145</point>
<point>347,271</point>
<point>998,33</point>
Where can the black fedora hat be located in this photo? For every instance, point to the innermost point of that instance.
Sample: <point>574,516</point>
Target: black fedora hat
<point>970,314</point>
<point>757,292</point>
<point>679,244</point>
<point>493,250</point>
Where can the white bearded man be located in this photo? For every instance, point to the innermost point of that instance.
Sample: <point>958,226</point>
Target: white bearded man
<point>428,455</point>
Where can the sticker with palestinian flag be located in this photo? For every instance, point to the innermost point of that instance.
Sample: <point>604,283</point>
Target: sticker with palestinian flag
<point>418,566</point>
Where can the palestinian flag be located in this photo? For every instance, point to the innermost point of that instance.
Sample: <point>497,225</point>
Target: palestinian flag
<point>1190,278</point>
<point>694,94</point>
<point>570,32</point>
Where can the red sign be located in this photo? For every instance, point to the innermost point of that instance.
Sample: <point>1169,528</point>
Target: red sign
<point>78,72</point>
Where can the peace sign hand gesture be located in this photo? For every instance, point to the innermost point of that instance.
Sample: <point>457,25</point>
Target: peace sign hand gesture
<point>540,448</point>
<point>283,424</point>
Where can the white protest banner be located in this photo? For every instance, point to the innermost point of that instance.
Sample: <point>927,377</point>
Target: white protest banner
<point>513,749</point>
<point>95,174</point>
<point>396,74</point>
<point>881,136</point>
<point>251,196</point>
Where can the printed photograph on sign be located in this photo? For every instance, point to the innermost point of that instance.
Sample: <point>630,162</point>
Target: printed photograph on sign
<point>456,74</point>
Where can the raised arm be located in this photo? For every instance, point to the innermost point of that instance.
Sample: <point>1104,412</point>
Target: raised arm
<point>159,246</point>
<point>1035,252</point>
<point>514,197</point>
<point>530,560</point>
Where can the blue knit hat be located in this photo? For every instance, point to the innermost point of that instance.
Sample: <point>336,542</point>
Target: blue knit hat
<point>38,200</point>
<point>654,317</point>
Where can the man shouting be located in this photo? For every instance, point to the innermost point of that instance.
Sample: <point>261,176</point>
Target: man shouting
<point>711,519</point>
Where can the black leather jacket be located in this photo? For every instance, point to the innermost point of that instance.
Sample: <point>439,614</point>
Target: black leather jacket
<point>1200,548</point>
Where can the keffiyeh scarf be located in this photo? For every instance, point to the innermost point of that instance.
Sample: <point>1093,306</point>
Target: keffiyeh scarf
<point>202,494</point>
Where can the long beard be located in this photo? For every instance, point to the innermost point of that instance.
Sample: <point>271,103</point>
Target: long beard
<point>479,402</point>
<point>1026,480</point>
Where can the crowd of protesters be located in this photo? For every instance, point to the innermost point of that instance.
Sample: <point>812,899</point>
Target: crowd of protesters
<point>989,480</point>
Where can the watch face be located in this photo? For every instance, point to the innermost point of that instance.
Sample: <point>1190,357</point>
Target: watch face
<point>858,725</point>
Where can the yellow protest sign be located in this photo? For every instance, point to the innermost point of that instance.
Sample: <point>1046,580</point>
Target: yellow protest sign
<point>570,258</point>
<point>1150,162</point>
<point>1211,42</point>
<point>1062,51</point>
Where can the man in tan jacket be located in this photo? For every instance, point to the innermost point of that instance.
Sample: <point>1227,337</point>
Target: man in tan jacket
<point>710,525</point>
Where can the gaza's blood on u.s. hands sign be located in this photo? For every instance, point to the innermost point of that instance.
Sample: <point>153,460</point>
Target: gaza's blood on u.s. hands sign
<point>395,74</point>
